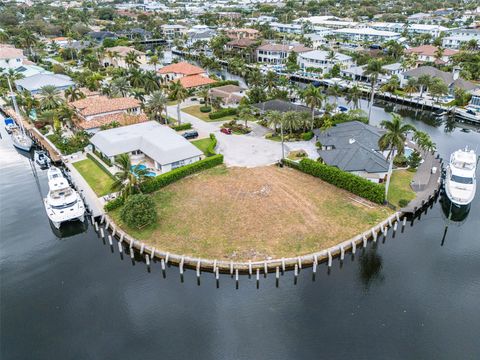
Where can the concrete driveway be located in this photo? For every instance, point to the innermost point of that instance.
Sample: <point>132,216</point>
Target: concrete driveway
<point>238,150</point>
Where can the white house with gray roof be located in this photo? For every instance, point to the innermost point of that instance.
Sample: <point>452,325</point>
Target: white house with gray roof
<point>156,146</point>
<point>320,59</point>
<point>34,83</point>
<point>353,147</point>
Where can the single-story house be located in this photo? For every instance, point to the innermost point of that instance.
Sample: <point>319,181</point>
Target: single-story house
<point>353,147</point>
<point>99,36</point>
<point>190,76</point>
<point>34,83</point>
<point>116,56</point>
<point>283,106</point>
<point>93,112</point>
<point>453,79</point>
<point>156,146</point>
<point>229,94</point>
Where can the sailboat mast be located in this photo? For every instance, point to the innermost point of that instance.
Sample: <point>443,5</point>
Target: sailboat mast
<point>15,105</point>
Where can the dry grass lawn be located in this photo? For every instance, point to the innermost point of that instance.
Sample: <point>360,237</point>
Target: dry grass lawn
<point>257,213</point>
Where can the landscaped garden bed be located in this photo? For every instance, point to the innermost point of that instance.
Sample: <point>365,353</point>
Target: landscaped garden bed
<point>195,111</point>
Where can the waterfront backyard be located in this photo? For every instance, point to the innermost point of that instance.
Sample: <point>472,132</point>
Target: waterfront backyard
<point>96,177</point>
<point>256,213</point>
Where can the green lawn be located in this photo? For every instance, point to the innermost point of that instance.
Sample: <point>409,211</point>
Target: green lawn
<point>195,111</point>
<point>400,187</point>
<point>95,176</point>
<point>202,144</point>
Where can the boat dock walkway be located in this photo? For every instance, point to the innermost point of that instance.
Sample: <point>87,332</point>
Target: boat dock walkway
<point>426,182</point>
<point>36,136</point>
<point>92,201</point>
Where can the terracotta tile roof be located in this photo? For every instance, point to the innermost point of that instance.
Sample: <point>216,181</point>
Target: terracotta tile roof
<point>122,118</point>
<point>101,104</point>
<point>298,48</point>
<point>429,50</point>
<point>243,42</point>
<point>183,68</point>
<point>195,80</point>
<point>9,52</point>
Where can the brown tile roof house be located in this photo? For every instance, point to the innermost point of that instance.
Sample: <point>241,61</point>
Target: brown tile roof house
<point>240,43</point>
<point>190,76</point>
<point>429,50</point>
<point>182,68</point>
<point>95,111</point>
<point>10,52</point>
<point>243,33</point>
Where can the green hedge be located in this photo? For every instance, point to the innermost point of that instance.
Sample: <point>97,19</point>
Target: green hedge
<point>91,157</point>
<point>307,136</point>
<point>210,151</point>
<point>223,83</point>
<point>342,179</point>
<point>114,204</point>
<point>163,180</point>
<point>222,113</point>
<point>205,109</point>
<point>184,126</point>
<point>105,159</point>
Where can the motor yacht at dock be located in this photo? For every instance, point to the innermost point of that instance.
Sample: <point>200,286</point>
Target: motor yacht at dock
<point>62,202</point>
<point>460,181</point>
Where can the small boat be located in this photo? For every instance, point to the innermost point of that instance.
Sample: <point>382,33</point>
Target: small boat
<point>460,182</point>
<point>41,158</point>
<point>9,125</point>
<point>62,202</point>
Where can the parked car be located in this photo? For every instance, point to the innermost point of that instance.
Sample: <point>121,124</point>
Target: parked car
<point>190,134</point>
<point>226,131</point>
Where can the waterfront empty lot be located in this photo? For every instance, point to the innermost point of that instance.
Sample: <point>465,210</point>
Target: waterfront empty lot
<point>254,213</point>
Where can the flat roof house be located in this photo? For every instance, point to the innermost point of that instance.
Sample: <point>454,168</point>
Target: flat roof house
<point>34,83</point>
<point>353,147</point>
<point>156,146</point>
<point>93,112</point>
<point>320,59</point>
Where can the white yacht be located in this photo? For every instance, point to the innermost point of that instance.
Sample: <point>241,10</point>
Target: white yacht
<point>62,202</point>
<point>460,182</point>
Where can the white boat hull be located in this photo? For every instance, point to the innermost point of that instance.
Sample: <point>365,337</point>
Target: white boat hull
<point>58,218</point>
<point>23,142</point>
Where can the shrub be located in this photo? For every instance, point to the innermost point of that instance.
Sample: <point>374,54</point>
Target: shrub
<point>307,136</point>
<point>184,126</point>
<point>350,182</point>
<point>205,109</point>
<point>105,159</point>
<point>236,127</point>
<point>414,160</point>
<point>222,113</point>
<point>403,202</point>
<point>223,83</point>
<point>170,177</point>
<point>400,160</point>
<point>318,144</point>
<point>210,151</point>
<point>269,135</point>
<point>139,211</point>
<point>70,145</point>
<point>114,204</point>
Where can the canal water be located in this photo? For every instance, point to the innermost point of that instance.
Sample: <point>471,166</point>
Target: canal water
<point>67,295</point>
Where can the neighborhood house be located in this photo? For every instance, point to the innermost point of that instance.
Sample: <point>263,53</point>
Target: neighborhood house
<point>156,146</point>
<point>190,76</point>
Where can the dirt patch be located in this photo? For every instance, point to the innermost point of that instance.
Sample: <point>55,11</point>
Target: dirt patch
<point>256,213</point>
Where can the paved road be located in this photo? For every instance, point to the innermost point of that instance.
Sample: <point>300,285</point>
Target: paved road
<point>238,150</point>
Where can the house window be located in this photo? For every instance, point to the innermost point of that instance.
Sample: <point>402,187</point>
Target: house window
<point>178,164</point>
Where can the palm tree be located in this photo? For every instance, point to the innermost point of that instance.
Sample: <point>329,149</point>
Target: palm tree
<point>424,141</point>
<point>154,61</point>
<point>128,179</point>
<point>411,86</point>
<point>135,77</point>
<point>73,94</point>
<point>156,105</point>
<point>373,70</point>
<point>120,87</point>
<point>275,119</point>
<point>313,97</point>
<point>291,120</point>
<point>178,93</point>
<point>50,97</point>
<point>131,59</point>
<point>391,85</point>
<point>424,81</point>
<point>439,53</point>
<point>271,81</point>
<point>393,139</point>
<point>204,93</point>
<point>334,91</point>
<point>151,82</point>
<point>354,94</point>
<point>246,113</point>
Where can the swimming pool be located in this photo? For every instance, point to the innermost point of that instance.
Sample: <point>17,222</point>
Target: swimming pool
<point>408,152</point>
<point>142,167</point>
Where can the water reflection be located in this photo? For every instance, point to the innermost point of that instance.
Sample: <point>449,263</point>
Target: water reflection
<point>370,267</point>
<point>454,213</point>
<point>69,229</point>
